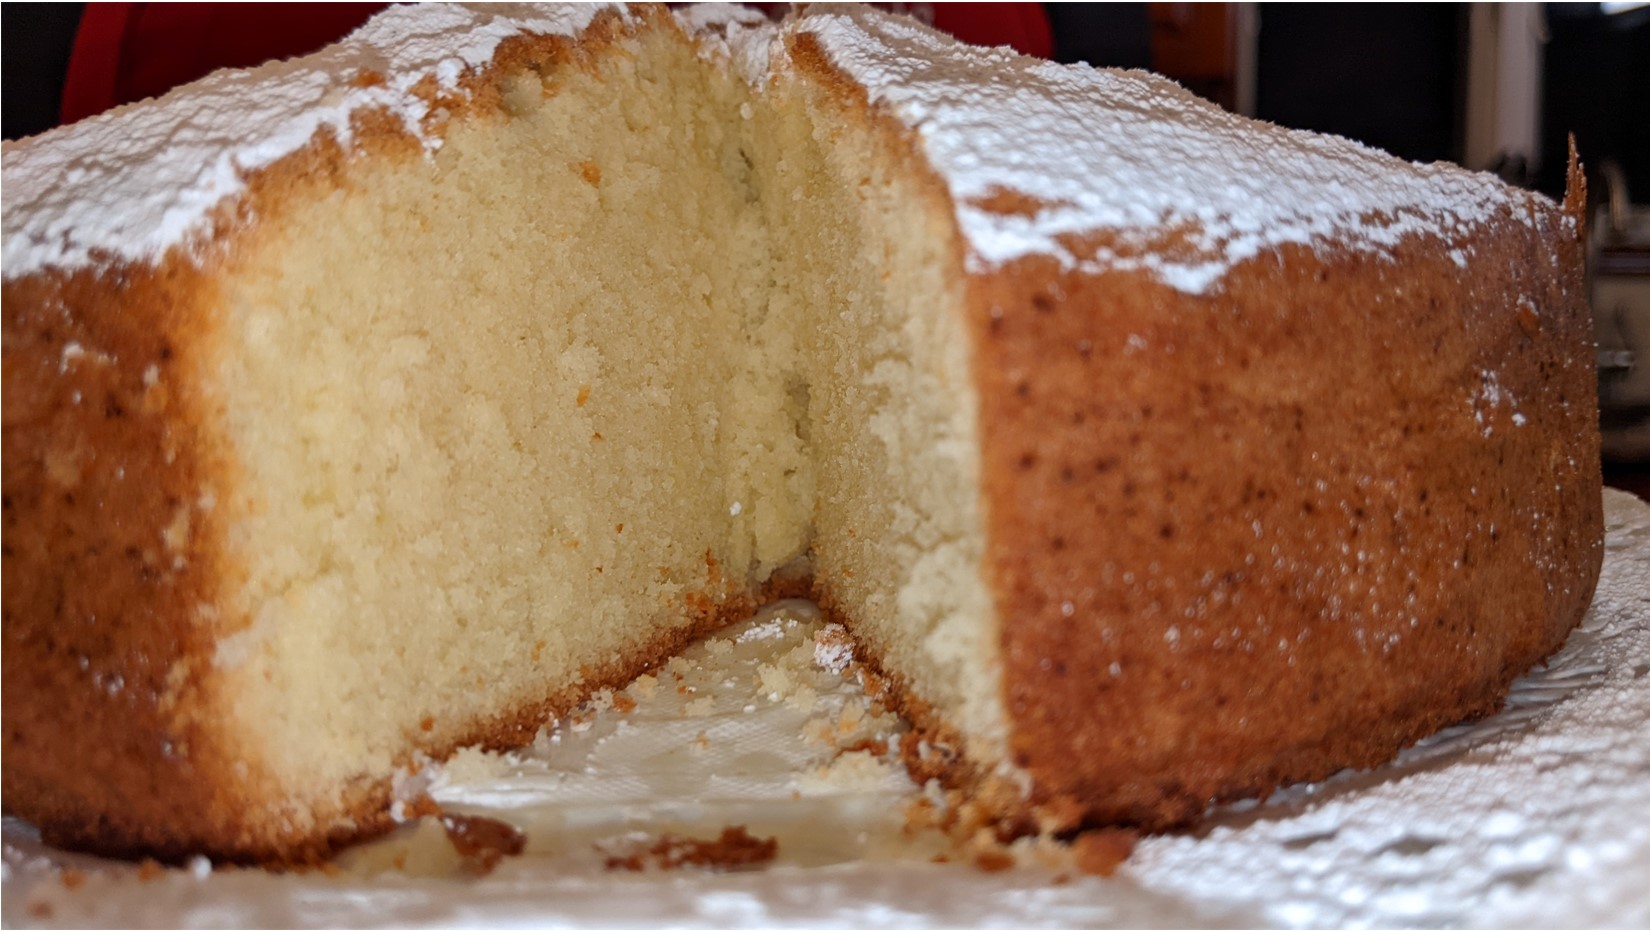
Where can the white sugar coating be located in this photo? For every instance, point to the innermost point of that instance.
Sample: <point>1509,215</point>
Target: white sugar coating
<point>773,629</point>
<point>1132,153</point>
<point>1123,153</point>
<point>739,36</point>
<point>719,17</point>
<point>833,650</point>
<point>131,183</point>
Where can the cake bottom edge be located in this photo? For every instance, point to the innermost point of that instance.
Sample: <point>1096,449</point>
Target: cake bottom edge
<point>362,809</point>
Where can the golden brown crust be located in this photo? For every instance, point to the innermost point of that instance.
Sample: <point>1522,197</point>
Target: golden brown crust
<point>108,554</point>
<point>1293,525</point>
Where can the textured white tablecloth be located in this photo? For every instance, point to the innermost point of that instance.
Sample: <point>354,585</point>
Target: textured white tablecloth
<point>1538,816</point>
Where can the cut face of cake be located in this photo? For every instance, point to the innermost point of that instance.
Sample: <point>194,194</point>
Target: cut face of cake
<point>396,398</point>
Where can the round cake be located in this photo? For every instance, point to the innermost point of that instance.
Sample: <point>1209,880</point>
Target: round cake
<point>394,399</point>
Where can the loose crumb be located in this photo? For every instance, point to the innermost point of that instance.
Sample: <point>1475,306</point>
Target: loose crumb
<point>420,807</point>
<point>803,698</point>
<point>876,746</point>
<point>1101,852</point>
<point>599,702</point>
<point>473,764</point>
<point>856,770</point>
<point>735,849</point>
<point>818,731</point>
<point>72,878</point>
<point>483,842</point>
<point>848,721</point>
<point>993,861</point>
<point>833,649</point>
<point>921,814</point>
<point>774,682</point>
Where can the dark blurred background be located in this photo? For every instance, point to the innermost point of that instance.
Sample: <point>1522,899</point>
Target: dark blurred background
<point>1418,80</point>
<point>1492,86</point>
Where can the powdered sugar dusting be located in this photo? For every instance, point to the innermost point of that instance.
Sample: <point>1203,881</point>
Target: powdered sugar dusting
<point>1187,189</point>
<point>1491,402</point>
<point>738,35</point>
<point>772,629</point>
<point>833,648</point>
<point>1173,185</point>
<point>134,182</point>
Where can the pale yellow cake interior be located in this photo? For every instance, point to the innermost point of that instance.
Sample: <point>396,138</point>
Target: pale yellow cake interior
<point>509,414</point>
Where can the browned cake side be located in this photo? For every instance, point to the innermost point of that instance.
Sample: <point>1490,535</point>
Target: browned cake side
<point>1256,536</point>
<point>102,645</point>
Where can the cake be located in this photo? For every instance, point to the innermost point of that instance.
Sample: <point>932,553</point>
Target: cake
<point>394,399</point>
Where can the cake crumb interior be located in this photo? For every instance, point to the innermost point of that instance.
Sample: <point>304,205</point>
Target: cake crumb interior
<point>599,367</point>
